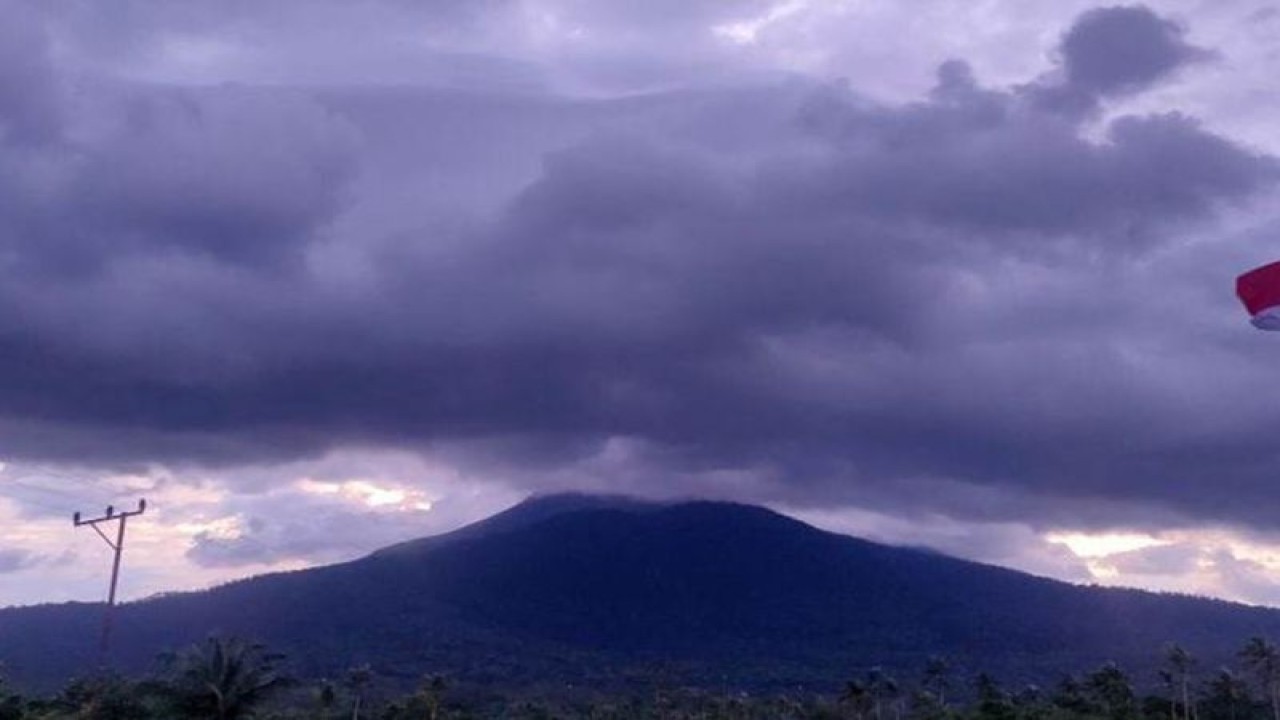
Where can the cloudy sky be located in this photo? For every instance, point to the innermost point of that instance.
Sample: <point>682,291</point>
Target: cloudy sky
<point>316,276</point>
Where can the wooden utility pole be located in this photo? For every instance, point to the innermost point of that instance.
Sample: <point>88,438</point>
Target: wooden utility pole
<point>121,519</point>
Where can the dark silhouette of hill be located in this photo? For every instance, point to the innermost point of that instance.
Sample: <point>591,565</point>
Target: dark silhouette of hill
<point>598,590</point>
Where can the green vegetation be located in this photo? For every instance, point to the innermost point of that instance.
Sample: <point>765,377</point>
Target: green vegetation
<point>232,679</point>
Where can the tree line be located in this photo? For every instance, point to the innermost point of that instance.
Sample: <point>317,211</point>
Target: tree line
<point>235,679</point>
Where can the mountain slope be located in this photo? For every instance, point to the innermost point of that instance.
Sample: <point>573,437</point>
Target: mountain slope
<point>589,589</point>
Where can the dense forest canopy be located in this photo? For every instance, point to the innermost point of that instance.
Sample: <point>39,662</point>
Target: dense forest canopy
<point>233,679</point>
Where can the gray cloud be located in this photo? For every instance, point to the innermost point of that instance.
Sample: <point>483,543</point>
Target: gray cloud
<point>247,176</point>
<point>1123,49</point>
<point>846,299</point>
<point>978,161</point>
<point>292,525</point>
<point>1109,53</point>
<point>28,89</point>
<point>1244,578</point>
<point>1172,559</point>
<point>1217,571</point>
<point>15,559</point>
<point>318,537</point>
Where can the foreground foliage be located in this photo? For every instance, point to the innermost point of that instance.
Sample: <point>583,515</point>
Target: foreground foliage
<point>233,679</point>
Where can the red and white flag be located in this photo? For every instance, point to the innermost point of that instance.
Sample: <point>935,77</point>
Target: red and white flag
<point>1259,290</point>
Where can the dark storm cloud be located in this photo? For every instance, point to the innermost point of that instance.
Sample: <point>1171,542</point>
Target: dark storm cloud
<point>245,176</point>
<point>840,295</point>
<point>1123,49</point>
<point>984,162</point>
<point>1110,52</point>
<point>28,110</point>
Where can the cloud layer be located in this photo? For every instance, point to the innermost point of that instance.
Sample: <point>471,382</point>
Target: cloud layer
<point>544,254</point>
<point>822,280</point>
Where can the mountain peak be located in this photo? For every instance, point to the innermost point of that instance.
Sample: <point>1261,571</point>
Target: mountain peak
<point>569,587</point>
<point>561,502</point>
<point>530,511</point>
<point>543,507</point>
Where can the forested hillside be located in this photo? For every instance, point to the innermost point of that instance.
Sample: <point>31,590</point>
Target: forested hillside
<point>590,590</point>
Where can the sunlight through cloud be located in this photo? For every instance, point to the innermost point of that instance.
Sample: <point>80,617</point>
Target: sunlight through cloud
<point>1086,545</point>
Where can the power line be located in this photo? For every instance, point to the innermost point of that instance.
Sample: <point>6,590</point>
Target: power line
<point>121,519</point>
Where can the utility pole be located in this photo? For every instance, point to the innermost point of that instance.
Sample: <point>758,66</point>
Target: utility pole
<point>121,519</point>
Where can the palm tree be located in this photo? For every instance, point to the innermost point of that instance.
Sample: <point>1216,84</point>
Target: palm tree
<point>856,697</point>
<point>1263,660</point>
<point>106,697</point>
<point>936,679</point>
<point>1228,695</point>
<point>993,703</point>
<point>326,698</point>
<point>1179,667</point>
<point>884,691</point>
<point>1112,691</point>
<point>1029,703</point>
<point>223,679</point>
<point>10,704</point>
<point>1070,696</point>
<point>432,693</point>
<point>358,678</point>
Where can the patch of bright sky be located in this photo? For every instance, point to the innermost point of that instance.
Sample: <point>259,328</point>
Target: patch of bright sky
<point>547,29</point>
<point>69,563</point>
<point>410,497</point>
<point>1093,549</point>
<point>197,56</point>
<point>1086,545</point>
<point>369,493</point>
<point>745,32</point>
<point>1218,562</point>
